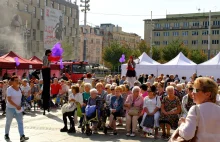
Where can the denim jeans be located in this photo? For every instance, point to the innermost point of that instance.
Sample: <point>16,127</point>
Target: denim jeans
<point>10,114</point>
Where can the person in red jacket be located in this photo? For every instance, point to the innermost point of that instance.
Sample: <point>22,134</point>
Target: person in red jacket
<point>131,73</point>
<point>46,79</point>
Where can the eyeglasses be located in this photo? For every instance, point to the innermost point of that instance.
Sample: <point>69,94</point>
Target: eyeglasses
<point>196,90</point>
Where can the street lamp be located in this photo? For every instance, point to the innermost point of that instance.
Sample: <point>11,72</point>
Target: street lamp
<point>85,9</point>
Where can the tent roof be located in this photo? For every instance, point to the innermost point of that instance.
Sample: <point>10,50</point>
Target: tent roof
<point>180,59</point>
<point>144,59</point>
<point>214,61</point>
<point>36,59</point>
<point>24,63</point>
<point>5,64</point>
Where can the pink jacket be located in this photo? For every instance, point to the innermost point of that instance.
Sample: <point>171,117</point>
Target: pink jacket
<point>137,103</point>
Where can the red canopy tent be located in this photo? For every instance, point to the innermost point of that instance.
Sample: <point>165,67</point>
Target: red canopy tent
<point>5,64</point>
<point>24,63</point>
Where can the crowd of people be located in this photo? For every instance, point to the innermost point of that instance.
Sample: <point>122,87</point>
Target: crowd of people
<point>150,104</point>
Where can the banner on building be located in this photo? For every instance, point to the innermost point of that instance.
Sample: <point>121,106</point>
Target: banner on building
<point>53,31</point>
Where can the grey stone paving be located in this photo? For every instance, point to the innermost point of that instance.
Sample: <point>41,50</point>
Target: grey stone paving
<point>46,129</point>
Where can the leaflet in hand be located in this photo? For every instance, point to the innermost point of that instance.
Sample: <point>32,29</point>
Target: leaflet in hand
<point>19,111</point>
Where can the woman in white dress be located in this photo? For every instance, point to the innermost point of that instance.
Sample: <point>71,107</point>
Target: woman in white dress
<point>151,106</point>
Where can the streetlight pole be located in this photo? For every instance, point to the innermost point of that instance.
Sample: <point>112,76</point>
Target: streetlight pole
<point>151,36</point>
<point>209,35</point>
<point>85,9</point>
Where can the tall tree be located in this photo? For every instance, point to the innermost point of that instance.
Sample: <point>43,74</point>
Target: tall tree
<point>142,47</point>
<point>156,53</point>
<point>197,56</point>
<point>68,50</point>
<point>173,49</point>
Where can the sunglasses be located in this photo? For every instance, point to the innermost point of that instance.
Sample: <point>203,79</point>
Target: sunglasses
<point>112,89</point>
<point>196,90</point>
<point>106,88</point>
<point>190,89</point>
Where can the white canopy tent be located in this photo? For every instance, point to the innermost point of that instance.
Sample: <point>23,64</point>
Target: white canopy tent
<point>180,65</point>
<point>210,67</point>
<point>144,65</point>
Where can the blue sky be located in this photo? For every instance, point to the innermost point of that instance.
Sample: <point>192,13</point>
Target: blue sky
<point>135,24</point>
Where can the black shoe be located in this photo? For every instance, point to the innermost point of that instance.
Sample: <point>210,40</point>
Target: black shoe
<point>23,113</point>
<point>48,110</point>
<point>80,126</point>
<point>3,113</point>
<point>7,137</point>
<point>44,113</point>
<point>71,130</point>
<point>64,129</point>
<point>23,138</point>
<point>115,133</point>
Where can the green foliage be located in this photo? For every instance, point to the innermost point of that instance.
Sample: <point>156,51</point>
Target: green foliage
<point>173,49</point>
<point>142,47</point>
<point>113,53</point>
<point>156,53</point>
<point>197,56</point>
<point>68,50</point>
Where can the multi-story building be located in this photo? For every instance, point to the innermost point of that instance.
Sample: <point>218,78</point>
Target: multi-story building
<point>191,29</point>
<point>26,19</point>
<point>93,45</point>
<point>112,33</point>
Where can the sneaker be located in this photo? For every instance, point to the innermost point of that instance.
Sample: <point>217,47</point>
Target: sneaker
<point>115,132</point>
<point>7,137</point>
<point>64,129</point>
<point>23,138</point>
<point>127,134</point>
<point>132,135</point>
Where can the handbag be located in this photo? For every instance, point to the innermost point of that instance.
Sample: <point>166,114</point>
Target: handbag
<point>79,111</point>
<point>149,121</point>
<point>134,111</point>
<point>177,138</point>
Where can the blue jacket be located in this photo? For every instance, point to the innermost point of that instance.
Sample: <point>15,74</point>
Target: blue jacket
<point>120,103</point>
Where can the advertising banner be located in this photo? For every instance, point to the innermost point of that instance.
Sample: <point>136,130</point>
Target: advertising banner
<point>53,30</point>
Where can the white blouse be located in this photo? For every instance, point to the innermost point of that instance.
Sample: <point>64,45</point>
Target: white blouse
<point>151,104</point>
<point>208,126</point>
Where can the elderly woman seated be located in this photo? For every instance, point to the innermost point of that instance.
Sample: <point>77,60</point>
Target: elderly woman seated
<point>170,108</point>
<point>94,100</point>
<point>68,110</point>
<point>116,108</point>
<point>134,105</point>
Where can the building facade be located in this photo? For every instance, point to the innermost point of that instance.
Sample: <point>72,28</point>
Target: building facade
<point>191,29</point>
<point>113,33</point>
<point>93,45</point>
<point>26,19</point>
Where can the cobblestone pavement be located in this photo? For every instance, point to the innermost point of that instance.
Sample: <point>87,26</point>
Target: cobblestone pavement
<point>47,129</point>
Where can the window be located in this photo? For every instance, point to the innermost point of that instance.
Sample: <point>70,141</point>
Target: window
<point>52,4</point>
<point>215,41</point>
<point>185,33</point>
<point>38,24</point>
<point>166,33</point>
<point>67,20</point>
<point>175,33</point>
<point>34,34</point>
<point>215,32</point>
<point>185,42</point>
<point>45,2</point>
<point>195,24</point>
<point>185,24</point>
<point>64,8</point>
<point>205,32</point>
<point>41,35</point>
<point>157,42</point>
<point>216,23</point>
<point>165,42</point>
<point>37,46</point>
<point>194,33</point>
<point>203,50</point>
<point>206,23</point>
<point>98,41</point>
<point>204,41</point>
<point>26,8</point>
<point>97,59</point>
<point>167,25</point>
<point>30,1</point>
<point>58,6</point>
<point>176,25</point>
<point>194,42</point>
<point>6,2</point>
<point>156,33</point>
<point>64,29</point>
<point>70,11</point>
<point>38,3</point>
<point>42,14</point>
<point>71,31</point>
<point>157,26</point>
<point>97,50</point>
<point>73,22</point>
<point>17,5</point>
